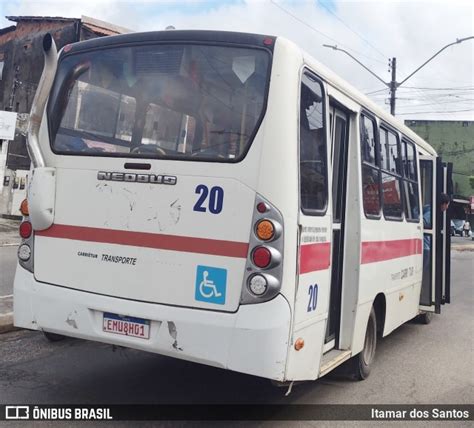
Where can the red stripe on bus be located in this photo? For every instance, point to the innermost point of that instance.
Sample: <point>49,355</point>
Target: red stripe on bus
<point>378,251</point>
<point>149,240</point>
<point>315,257</point>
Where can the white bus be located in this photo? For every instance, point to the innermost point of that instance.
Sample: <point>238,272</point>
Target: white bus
<point>223,198</point>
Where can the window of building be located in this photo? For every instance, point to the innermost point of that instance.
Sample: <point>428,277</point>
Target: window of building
<point>313,157</point>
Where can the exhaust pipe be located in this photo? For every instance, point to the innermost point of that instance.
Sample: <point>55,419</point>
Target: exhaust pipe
<point>39,102</point>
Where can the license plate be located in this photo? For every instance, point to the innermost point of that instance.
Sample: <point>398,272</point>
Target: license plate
<point>126,326</point>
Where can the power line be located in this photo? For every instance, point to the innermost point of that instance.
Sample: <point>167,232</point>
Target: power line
<point>321,33</point>
<point>410,88</point>
<point>436,112</point>
<point>393,85</point>
<point>435,103</point>
<point>376,92</point>
<point>355,32</point>
<point>457,88</point>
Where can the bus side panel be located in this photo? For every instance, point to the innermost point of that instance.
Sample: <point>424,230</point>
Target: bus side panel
<point>391,263</point>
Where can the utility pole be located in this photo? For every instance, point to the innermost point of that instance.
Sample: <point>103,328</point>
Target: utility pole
<point>393,85</point>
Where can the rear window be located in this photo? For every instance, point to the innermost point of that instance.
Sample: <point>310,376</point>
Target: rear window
<point>164,101</point>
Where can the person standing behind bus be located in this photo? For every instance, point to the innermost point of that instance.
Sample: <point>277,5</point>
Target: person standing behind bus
<point>443,204</point>
<point>466,228</point>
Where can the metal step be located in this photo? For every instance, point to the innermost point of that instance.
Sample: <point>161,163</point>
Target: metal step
<point>332,359</point>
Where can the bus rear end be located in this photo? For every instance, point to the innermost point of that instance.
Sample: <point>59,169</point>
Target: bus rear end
<point>148,227</point>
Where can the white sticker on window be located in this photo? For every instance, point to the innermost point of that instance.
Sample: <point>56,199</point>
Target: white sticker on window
<point>243,67</point>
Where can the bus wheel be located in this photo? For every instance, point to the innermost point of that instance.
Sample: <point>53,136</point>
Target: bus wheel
<point>362,362</point>
<point>424,318</point>
<point>53,337</point>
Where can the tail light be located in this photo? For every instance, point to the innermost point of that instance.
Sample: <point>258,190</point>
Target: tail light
<point>264,266</point>
<point>24,208</point>
<point>258,284</point>
<point>26,229</point>
<point>261,257</point>
<point>25,250</point>
<point>265,230</point>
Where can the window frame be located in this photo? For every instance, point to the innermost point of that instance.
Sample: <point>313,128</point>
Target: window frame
<point>98,46</point>
<point>399,176</point>
<point>406,178</point>
<point>376,166</point>
<point>305,71</point>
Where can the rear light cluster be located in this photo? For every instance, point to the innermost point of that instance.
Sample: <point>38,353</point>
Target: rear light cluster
<point>264,264</point>
<point>26,229</point>
<point>25,250</point>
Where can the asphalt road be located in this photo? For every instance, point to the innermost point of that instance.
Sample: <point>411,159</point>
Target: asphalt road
<point>417,364</point>
<point>461,241</point>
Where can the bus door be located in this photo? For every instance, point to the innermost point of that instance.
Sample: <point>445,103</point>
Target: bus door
<point>339,145</point>
<point>435,288</point>
<point>313,291</point>
<point>446,227</point>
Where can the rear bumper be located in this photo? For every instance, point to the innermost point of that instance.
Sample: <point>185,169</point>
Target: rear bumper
<point>253,340</point>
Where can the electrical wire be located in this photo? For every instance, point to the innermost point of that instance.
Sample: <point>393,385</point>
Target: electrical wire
<point>349,28</point>
<point>436,112</point>
<point>321,33</point>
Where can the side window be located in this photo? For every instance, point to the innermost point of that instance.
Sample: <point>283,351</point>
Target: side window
<point>410,181</point>
<point>426,178</point>
<point>411,161</point>
<point>367,139</point>
<point>391,175</point>
<point>313,158</point>
<point>370,169</point>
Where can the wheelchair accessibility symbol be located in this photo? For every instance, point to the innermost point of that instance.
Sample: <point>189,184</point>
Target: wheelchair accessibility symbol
<point>210,284</point>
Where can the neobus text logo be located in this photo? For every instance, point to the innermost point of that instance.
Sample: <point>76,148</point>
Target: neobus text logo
<point>137,178</point>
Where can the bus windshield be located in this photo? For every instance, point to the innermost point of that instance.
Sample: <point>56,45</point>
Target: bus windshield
<point>160,101</point>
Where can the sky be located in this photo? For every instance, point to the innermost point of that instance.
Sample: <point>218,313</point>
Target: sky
<point>372,31</point>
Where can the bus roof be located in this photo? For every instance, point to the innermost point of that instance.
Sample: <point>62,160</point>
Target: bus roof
<point>205,36</point>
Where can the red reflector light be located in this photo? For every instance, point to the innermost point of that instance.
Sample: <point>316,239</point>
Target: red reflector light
<point>262,207</point>
<point>267,41</point>
<point>25,229</point>
<point>261,257</point>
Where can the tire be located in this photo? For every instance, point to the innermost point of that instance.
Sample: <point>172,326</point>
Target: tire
<point>53,337</point>
<point>425,318</point>
<point>361,363</point>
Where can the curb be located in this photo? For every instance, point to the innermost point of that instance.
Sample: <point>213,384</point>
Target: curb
<point>6,323</point>
<point>11,217</point>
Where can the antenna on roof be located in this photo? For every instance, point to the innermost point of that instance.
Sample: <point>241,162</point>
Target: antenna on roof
<point>170,27</point>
